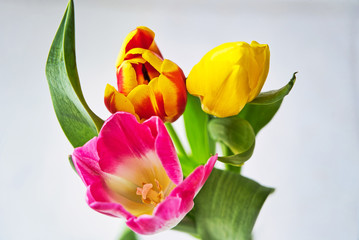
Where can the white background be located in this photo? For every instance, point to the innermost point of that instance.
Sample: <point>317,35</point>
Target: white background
<point>309,152</point>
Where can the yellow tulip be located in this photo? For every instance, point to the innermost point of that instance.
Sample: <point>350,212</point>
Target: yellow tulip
<point>229,76</point>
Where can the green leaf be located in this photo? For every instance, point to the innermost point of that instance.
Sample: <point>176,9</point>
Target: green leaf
<point>274,95</point>
<point>128,234</point>
<point>228,205</point>
<point>261,110</point>
<point>195,121</point>
<point>77,120</point>
<point>238,159</point>
<point>187,225</point>
<point>237,134</point>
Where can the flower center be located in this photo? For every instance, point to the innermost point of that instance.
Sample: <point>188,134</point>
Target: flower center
<point>146,76</point>
<point>151,195</point>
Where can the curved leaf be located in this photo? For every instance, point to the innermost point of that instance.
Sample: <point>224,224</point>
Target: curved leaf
<point>274,95</point>
<point>77,120</point>
<point>237,134</point>
<point>261,110</point>
<point>238,159</point>
<point>228,205</point>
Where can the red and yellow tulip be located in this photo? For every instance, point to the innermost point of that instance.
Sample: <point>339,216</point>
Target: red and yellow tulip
<point>229,76</point>
<point>148,85</point>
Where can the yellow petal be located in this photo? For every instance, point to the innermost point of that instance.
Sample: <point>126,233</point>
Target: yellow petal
<point>262,56</point>
<point>126,78</point>
<point>116,101</point>
<point>230,97</point>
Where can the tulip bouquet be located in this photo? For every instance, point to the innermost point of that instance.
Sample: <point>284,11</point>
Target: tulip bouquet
<point>134,165</point>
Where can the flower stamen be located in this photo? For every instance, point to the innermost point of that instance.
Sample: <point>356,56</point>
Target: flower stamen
<point>149,194</point>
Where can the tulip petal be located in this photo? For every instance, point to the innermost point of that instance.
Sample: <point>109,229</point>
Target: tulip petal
<point>221,95</point>
<point>116,101</point>
<point>262,56</point>
<point>145,102</point>
<point>147,55</point>
<point>86,160</point>
<point>165,217</point>
<point>103,199</point>
<point>165,150</point>
<point>126,78</point>
<point>141,37</point>
<point>153,59</point>
<point>170,212</point>
<point>189,188</point>
<point>124,144</point>
<point>170,89</point>
<point>99,200</point>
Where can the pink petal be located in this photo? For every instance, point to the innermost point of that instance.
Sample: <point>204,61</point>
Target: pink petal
<point>165,150</point>
<point>86,160</point>
<point>189,188</point>
<point>165,217</point>
<point>123,139</point>
<point>173,209</point>
<point>99,199</point>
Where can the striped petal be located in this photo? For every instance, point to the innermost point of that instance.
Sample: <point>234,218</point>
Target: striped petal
<point>127,78</point>
<point>141,37</point>
<point>171,86</point>
<point>116,102</point>
<point>146,103</point>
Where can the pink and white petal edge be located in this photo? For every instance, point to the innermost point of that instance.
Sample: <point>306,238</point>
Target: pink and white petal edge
<point>98,199</point>
<point>121,138</point>
<point>174,208</point>
<point>85,160</point>
<point>165,150</point>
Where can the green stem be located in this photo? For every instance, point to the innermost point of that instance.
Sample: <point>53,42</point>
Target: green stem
<point>176,140</point>
<point>227,152</point>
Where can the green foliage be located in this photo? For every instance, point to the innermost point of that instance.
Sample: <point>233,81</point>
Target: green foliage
<point>128,234</point>
<point>195,121</point>
<point>235,133</point>
<point>262,109</point>
<point>228,205</point>
<point>77,120</point>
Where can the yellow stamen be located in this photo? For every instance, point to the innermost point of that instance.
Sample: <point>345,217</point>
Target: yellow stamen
<point>149,194</point>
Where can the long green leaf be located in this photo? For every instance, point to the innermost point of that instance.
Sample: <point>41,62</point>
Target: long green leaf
<point>77,120</point>
<point>228,205</point>
<point>195,121</point>
<point>261,110</point>
<point>237,134</point>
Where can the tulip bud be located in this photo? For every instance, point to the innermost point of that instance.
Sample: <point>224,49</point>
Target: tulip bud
<point>229,76</point>
<point>148,85</point>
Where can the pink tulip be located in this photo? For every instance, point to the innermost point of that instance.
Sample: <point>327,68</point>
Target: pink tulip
<point>131,171</point>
